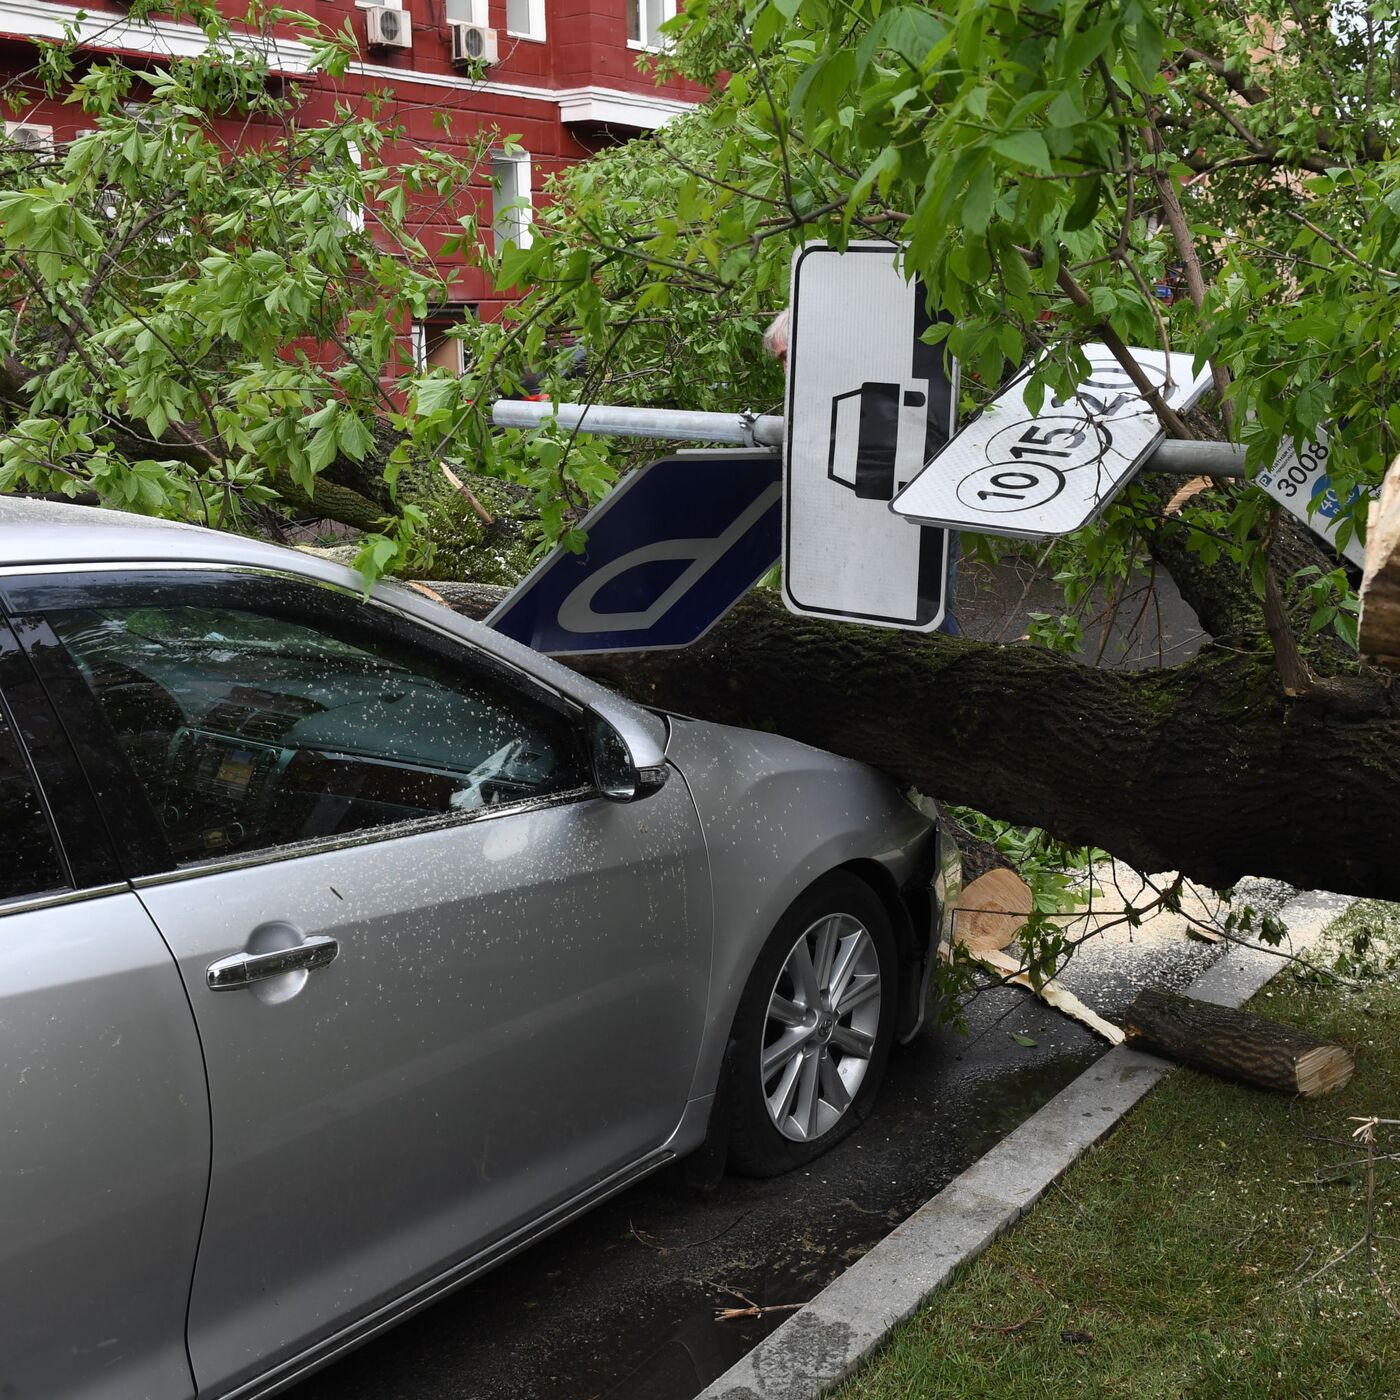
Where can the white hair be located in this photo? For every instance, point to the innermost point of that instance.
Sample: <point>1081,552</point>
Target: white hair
<point>775,338</point>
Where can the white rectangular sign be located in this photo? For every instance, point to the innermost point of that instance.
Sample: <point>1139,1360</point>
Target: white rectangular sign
<point>1014,472</point>
<point>1297,479</point>
<point>868,404</point>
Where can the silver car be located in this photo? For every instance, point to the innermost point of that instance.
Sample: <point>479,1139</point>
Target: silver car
<point>347,947</point>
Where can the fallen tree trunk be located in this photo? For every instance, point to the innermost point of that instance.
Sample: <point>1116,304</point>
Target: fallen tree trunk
<point>1203,768</point>
<point>1235,1044</point>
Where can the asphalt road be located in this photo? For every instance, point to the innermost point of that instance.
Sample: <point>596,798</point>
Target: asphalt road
<point>622,1303</point>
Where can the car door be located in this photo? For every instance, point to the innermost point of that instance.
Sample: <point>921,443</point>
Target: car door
<point>493,980</point>
<point>104,1119</point>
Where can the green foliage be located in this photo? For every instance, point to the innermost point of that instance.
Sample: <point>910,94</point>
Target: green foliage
<point>1031,160</point>
<point>198,325</point>
<point>1331,601</point>
<point>1362,947</point>
<point>1057,873</point>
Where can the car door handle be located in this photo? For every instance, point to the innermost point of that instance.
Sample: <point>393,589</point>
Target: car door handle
<point>228,974</point>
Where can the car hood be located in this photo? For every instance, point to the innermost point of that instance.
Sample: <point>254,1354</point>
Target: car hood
<point>765,782</point>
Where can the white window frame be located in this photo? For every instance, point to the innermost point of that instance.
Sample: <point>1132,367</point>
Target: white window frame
<point>472,12</point>
<point>534,33</point>
<point>521,195</point>
<point>422,331</point>
<point>640,41</point>
<point>352,212</point>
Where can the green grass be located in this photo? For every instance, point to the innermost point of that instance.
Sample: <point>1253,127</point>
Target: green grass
<point>1182,1244</point>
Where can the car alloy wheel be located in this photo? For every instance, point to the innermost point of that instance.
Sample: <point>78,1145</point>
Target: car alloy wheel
<point>813,1028</point>
<point>822,1021</point>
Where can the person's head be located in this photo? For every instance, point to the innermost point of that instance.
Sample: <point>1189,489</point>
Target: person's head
<point>775,338</point>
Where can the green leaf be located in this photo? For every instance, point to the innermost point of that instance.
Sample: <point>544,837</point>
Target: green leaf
<point>1023,1040</point>
<point>1085,47</point>
<point>377,553</point>
<point>911,31</point>
<point>436,393</point>
<point>1064,110</point>
<point>885,164</point>
<point>322,451</point>
<point>355,439</point>
<point>981,196</point>
<point>1087,194</point>
<point>1024,148</point>
<point>1104,300</point>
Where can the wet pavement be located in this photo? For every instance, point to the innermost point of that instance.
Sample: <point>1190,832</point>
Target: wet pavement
<point>622,1303</point>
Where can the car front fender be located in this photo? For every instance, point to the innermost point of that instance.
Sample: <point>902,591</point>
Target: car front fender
<point>777,816</point>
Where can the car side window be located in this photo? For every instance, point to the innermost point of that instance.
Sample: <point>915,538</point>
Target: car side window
<point>255,720</point>
<point>29,863</point>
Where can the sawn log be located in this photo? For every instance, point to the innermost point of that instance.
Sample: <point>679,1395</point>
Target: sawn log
<point>1235,1044</point>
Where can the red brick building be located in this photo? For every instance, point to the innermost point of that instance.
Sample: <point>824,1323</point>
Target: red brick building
<point>561,77</point>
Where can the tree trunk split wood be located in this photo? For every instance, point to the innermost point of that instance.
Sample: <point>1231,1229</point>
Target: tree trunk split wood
<point>1235,1044</point>
<point>1380,585</point>
<point>992,910</point>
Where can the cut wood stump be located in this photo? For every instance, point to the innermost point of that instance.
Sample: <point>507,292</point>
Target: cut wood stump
<point>992,910</point>
<point>1235,1044</point>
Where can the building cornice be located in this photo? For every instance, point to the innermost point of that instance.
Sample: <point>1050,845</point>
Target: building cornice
<point>117,33</point>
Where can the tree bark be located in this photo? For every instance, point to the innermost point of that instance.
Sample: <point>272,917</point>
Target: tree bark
<point>1204,768</point>
<point>1235,1044</point>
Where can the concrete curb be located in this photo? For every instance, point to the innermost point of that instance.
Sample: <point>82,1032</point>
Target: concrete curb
<point>826,1340</point>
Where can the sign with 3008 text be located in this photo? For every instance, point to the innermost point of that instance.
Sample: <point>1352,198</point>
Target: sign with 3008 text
<point>1300,483</point>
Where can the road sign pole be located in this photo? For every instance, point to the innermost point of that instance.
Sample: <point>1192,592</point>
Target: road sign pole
<point>1221,459</point>
<point>663,424</point>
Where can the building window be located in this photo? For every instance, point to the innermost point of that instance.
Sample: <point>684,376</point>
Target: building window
<point>434,347</point>
<point>525,19</point>
<point>644,21</point>
<point>511,203</point>
<point>467,12</point>
<point>352,213</point>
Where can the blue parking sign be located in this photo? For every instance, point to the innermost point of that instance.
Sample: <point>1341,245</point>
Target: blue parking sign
<point>670,550</point>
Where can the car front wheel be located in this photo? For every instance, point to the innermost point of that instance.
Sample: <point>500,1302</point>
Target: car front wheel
<point>813,1029</point>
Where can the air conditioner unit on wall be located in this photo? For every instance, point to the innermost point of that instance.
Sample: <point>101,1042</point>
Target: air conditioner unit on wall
<point>473,43</point>
<point>387,29</point>
<point>28,136</point>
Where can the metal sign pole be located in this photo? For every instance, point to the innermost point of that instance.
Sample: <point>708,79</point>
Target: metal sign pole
<point>1219,459</point>
<point>664,424</point>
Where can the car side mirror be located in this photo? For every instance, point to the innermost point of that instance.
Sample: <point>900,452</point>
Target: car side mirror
<point>616,770</point>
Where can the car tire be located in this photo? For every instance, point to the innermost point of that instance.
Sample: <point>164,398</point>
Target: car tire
<point>814,1027</point>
